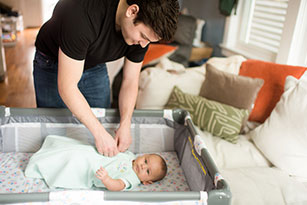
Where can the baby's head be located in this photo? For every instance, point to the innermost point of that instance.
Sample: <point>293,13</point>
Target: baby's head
<point>149,168</point>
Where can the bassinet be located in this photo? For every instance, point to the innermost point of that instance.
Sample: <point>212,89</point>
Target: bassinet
<point>22,131</point>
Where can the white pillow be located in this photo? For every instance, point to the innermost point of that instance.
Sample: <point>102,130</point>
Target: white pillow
<point>283,136</point>
<point>156,83</point>
<point>230,64</point>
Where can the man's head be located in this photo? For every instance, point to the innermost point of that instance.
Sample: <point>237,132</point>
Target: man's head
<point>150,168</point>
<point>160,15</point>
<point>145,21</point>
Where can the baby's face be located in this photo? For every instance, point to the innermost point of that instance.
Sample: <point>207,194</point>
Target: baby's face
<point>147,167</point>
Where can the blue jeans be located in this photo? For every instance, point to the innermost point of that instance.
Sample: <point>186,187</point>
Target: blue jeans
<point>94,84</point>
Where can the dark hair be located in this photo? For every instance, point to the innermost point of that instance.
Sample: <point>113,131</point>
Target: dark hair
<point>160,15</point>
<point>163,168</point>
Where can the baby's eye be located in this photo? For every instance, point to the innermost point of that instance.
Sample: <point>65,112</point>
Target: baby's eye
<point>147,171</point>
<point>146,161</point>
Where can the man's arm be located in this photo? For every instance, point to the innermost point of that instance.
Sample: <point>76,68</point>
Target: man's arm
<point>69,74</point>
<point>126,103</point>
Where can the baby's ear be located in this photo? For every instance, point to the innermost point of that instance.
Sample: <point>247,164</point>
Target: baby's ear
<point>147,182</point>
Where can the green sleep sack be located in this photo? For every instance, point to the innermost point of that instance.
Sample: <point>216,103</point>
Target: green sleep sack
<point>68,163</point>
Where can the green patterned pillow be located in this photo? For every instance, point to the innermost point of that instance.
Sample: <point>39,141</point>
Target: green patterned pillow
<point>219,119</point>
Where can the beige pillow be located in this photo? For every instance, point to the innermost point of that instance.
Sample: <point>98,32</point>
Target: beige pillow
<point>156,83</point>
<point>230,89</point>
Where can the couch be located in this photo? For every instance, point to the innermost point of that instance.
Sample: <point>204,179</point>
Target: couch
<point>263,154</point>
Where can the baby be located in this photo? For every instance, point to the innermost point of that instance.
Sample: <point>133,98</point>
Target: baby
<point>148,168</point>
<point>68,163</point>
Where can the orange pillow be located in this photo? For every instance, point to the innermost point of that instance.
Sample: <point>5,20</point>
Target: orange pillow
<point>274,76</point>
<point>156,51</point>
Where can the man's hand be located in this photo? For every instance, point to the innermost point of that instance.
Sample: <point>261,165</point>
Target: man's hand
<point>106,145</point>
<point>123,138</point>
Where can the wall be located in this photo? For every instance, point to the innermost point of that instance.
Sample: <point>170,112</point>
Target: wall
<point>31,11</point>
<point>214,27</point>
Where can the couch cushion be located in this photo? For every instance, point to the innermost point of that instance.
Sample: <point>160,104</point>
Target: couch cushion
<point>263,186</point>
<point>282,137</point>
<point>274,76</point>
<point>227,155</point>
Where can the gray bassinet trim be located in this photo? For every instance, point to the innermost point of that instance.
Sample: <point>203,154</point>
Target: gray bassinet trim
<point>215,197</point>
<point>24,197</point>
<point>152,196</point>
<point>109,196</point>
<point>62,114</point>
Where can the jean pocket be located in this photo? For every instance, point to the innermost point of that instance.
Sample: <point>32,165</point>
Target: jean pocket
<point>44,63</point>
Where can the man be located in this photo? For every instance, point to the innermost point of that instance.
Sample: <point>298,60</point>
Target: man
<point>73,46</point>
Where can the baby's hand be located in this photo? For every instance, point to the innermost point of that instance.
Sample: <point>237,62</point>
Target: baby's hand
<point>101,174</point>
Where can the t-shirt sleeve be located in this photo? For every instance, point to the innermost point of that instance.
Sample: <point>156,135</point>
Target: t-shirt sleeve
<point>136,53</point>
<point>128,186</point>
<point>76,32</point>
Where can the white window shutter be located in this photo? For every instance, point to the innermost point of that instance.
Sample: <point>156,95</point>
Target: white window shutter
<point>266,24</point>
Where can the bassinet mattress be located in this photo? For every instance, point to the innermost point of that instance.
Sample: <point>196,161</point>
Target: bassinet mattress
<point>13,164</point>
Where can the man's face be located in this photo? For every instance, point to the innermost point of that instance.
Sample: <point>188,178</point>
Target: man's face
<point>137,34</point>
<point>148,168</point>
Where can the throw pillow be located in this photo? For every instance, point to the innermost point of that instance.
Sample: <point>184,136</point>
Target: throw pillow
<point>219,119</point>
<point>156,51</point>
<point>228,64</point>
<point>274,76</point>
<point>282,137</point>
<point>230,89</point>
<point>183,38</point>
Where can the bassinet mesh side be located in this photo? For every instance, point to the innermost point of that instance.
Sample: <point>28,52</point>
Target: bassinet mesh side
<point>26,133</point>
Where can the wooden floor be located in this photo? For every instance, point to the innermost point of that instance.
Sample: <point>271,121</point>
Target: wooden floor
<point>17,89</point>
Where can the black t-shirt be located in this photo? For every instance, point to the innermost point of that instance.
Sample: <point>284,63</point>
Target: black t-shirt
<point>85,29</point>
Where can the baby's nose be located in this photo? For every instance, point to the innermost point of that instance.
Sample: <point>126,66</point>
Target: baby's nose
<point>144,166</point>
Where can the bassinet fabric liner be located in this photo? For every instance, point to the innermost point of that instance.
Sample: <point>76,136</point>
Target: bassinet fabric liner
<point>13,179</point>
<point>29,136</point>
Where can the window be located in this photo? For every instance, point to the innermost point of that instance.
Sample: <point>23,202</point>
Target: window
<point>270,30</point>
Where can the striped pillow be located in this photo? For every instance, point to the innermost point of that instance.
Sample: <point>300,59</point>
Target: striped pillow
<point>219,119</point>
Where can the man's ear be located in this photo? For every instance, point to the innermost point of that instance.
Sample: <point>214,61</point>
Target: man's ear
<point>132,10</point>
<point>147,182</point>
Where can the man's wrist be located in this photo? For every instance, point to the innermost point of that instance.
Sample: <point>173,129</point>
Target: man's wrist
<point>125,122</point>
<point>99,131</point>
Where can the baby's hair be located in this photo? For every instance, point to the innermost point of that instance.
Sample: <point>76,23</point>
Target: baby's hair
<point>163,168</point>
